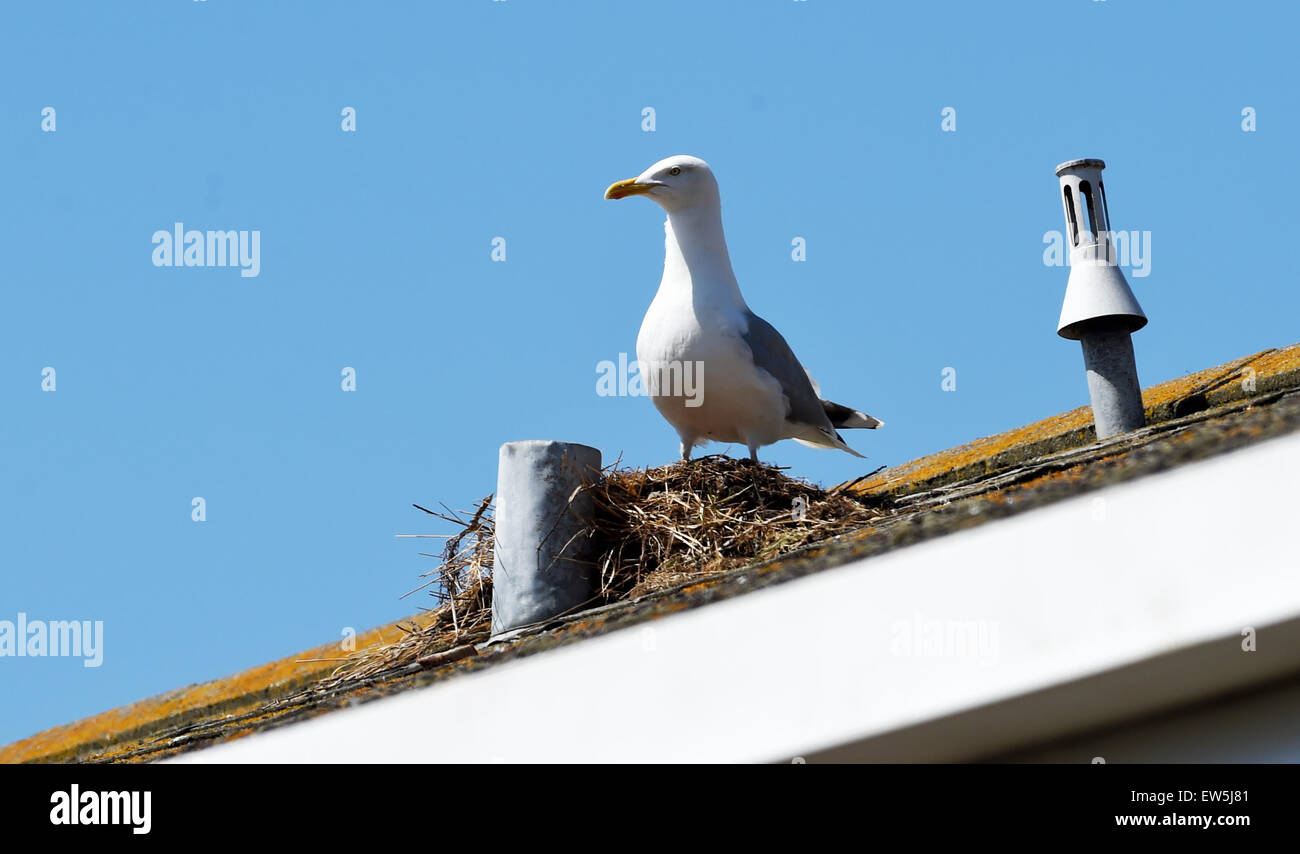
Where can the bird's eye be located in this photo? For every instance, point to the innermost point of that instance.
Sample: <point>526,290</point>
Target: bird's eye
<point>676,170</point>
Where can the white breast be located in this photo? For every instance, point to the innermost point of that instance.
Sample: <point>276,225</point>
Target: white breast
<point>684,336</point>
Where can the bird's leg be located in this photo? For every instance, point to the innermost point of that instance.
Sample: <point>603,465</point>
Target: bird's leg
<point>753,475</point>
<point>686,451</point>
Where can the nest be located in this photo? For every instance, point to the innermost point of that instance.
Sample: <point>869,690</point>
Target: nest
<point>654,529</point>
<point>658,528</point>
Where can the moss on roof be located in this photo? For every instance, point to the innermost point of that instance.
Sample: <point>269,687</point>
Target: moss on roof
<point>1189,418</point>
<point>165,717</point>
<point>1264,372</point>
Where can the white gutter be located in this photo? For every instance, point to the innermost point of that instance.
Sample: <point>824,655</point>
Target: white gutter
<point>821,667</point>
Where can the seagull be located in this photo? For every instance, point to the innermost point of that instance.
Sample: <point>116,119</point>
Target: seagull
<point>749,387</point>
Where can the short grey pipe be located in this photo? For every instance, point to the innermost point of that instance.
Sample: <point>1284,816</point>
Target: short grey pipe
<point>1112,382</point>
<point>544,563</point>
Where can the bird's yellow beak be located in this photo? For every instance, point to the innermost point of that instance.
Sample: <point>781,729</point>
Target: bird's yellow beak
<point>623,189</point>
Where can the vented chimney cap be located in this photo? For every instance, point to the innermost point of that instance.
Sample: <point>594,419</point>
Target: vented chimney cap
<point>1097,297</point>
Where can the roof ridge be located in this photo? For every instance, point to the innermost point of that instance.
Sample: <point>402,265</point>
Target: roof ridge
<point>1273,369</point>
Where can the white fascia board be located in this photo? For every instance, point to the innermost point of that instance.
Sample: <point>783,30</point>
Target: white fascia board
<point>1151,574</point>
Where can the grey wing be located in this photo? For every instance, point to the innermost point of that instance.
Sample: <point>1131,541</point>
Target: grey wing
<point>773,354</point>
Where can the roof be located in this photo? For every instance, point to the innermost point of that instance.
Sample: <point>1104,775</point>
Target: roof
<point>1101,612</point>
<point>1192,418</point>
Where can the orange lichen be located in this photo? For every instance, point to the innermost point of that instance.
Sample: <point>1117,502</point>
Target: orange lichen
<point>232,695</point>
<point>1256,374</point>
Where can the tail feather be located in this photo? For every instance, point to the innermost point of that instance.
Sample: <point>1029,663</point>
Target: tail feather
<point>843,416</point>
<point>828,442</point>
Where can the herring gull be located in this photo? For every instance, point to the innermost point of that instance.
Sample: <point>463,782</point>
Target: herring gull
<point>750,387</point>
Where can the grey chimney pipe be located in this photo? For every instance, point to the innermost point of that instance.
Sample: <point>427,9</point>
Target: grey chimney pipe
<point>544,562</point>
<point>1100,310</point>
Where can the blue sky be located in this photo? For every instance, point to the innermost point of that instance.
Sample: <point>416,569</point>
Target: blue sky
<point>480,119</point>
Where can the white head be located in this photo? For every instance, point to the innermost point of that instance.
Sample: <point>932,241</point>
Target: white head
<point>675,183</point>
